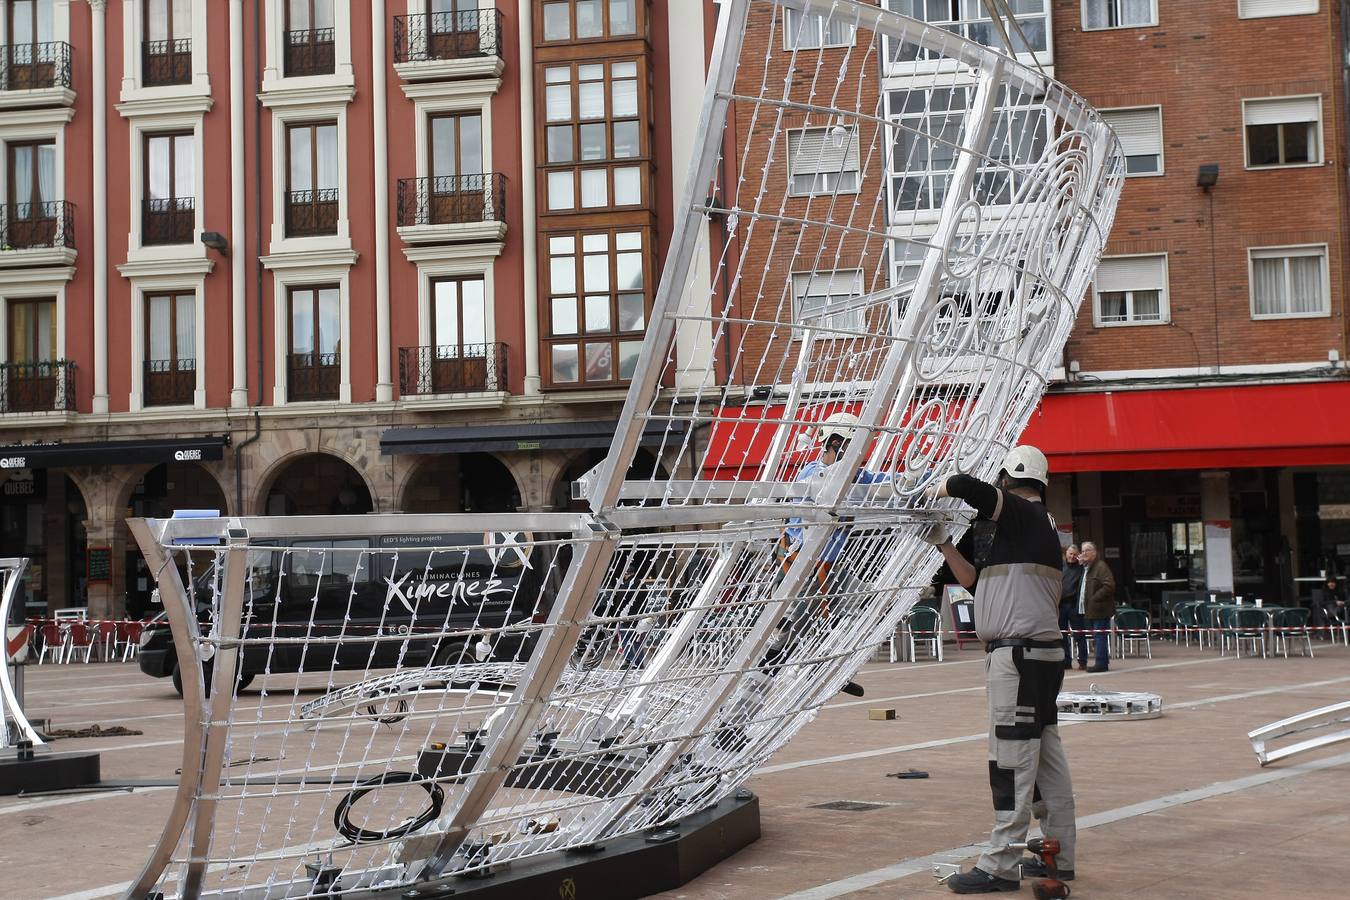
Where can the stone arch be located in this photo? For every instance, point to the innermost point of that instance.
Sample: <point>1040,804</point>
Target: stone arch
<point>460,482</point>
<point>645,464</point>
<point>332,484</point>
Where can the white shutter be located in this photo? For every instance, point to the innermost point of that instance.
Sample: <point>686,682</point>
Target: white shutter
<point>843,283</point>
<point>1260,9</point>
<point>1132,273</point>
<point>813,150</point>
<point>1139,130</point>
<point>1278,112</point>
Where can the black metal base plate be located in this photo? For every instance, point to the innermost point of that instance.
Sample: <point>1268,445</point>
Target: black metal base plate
<point>623,868</point>
<point>47,772</point>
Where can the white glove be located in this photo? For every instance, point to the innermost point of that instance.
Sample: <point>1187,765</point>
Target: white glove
<point>935,534</point>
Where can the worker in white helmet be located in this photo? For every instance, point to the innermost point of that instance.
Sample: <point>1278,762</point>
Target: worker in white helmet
<point>832,438</point>
<point>1016,580</point>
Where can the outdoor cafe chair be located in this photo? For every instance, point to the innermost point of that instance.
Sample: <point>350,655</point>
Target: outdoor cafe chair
<point>1244,623</point>
<point>1186,621</point>
<point>1132,629</point>
<point>82,637</point>
<point>924,628</point>
<point>55,640</point>
<point>129,638</point>
<point>1291,624</point>
<point>107,639</point>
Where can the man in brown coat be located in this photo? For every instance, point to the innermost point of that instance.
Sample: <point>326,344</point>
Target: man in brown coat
<point>1099,603</point>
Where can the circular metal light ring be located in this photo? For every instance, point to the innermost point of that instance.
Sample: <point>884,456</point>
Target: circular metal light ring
<point>1094,705</point>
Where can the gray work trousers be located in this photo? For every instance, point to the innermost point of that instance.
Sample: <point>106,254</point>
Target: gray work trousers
<point>1028,771</point>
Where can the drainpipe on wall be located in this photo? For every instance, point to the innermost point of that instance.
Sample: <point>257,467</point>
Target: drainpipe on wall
<point>238,287</point>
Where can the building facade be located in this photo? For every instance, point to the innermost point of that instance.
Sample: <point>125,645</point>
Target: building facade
<point>319,256</point>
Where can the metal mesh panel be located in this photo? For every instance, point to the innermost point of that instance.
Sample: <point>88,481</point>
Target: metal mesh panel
<point>462,691</point>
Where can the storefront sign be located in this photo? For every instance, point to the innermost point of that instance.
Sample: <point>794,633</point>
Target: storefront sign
<point>13,462</point>
<point>187,456</point>
<point>105,453</point>
<point>22,484</point>
<point>1334,511</point>
<point>1172,506</point>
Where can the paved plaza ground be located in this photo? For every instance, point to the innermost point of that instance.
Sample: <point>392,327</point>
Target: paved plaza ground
<point>1174,807</point>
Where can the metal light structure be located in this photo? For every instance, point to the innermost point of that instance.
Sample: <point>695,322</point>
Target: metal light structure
<point>449,693</point>
<point>11,709</point>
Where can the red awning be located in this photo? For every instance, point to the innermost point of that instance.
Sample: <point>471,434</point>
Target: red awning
<point>1304,424</point>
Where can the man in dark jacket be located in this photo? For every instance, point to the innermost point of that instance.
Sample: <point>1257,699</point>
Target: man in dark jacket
<point>1016,579</point>
<point>1071,609</point>
<point>1099,604</point>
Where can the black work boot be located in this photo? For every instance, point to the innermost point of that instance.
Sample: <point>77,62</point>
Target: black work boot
<point>978,881</point>
<point>1032,867</point>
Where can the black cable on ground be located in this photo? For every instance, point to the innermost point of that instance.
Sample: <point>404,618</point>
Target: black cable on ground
<point>356,835</point>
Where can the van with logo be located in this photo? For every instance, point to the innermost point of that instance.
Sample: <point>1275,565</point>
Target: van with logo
<point>330,592</point>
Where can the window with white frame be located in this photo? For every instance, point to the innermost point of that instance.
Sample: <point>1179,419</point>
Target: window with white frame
<point>929,127</point>
<point>1131,290</point>
<point>815,293</point>
<point>970,19</point>
<point>813,31</point>
<point>1140,133</point>
<point>1283,131</point>
<point>1100,14</point>
<point>823,160</point>
<point>1289,281</point>
<point>1264,9</point>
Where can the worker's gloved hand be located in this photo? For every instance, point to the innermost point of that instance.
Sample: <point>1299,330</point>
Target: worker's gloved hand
<point>935,534</point>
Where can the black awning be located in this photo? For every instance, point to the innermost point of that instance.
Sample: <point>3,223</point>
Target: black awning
<point>111,453</point>
<point>531,436</point>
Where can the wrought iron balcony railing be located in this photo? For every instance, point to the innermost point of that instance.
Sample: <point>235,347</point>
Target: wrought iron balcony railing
<point>313,376</point>
<point>170,220</point>
<point>453,369</point>
<point>170,382</point>
<point>29,225</point>
<point>37,386</point>
<point>310,213</point>
<point>25,67</point>
<point>166,62</point>
<point>309,52</point>
<point>452,199</point>
<point>447,35</point>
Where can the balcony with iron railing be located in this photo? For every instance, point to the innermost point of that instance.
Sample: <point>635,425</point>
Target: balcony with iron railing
<point>37,387</point>
<point>169,382</point>
<point>313,376</point>
<point>452,369</point>
<point>32,67</point>
<point>166,62</point>
<point>312,213</point>
<point>34,233</point>
<point>466,207</point>
<point>309,51</point>
<point>448,44</point>
<point>168,220</point>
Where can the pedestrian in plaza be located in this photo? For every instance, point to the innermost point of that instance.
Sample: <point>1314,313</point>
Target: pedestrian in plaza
<point>1099,604</point>
<point>1071,609</point>
<point>1017,583</point>
<point>1330,608</point>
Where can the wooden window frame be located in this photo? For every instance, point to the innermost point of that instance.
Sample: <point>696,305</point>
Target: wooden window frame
<point>613,336</point>
<point>179,215</point>
<point>642,161</point>
<point>11,307</point>
<point>313,46</point>
<point>315,290</point>
<point>640,24</point>
<point>314,203</point>
<point>10,147</point>
<point>170,30</point>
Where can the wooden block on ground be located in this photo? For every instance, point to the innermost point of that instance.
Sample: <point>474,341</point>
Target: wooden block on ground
<point>881,715</point>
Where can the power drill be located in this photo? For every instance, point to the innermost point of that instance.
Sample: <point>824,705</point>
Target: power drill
<point>1046,849</point>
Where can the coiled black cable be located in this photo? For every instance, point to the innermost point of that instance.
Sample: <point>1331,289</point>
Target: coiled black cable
<point>356,835</point>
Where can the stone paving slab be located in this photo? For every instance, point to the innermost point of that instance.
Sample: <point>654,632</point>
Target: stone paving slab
<point>1280,838</point>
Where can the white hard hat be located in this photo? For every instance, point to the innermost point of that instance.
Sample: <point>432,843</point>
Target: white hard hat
<point>1027,462</point>
<point>840,424</point>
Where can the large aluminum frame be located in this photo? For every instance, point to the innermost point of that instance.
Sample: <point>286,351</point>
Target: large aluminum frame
<point>652,652</point>
<point>11,579</point>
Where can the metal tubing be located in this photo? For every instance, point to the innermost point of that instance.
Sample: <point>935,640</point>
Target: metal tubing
<point>13,575</point>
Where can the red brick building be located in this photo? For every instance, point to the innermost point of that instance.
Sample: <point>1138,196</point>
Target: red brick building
<point>315,256</point>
